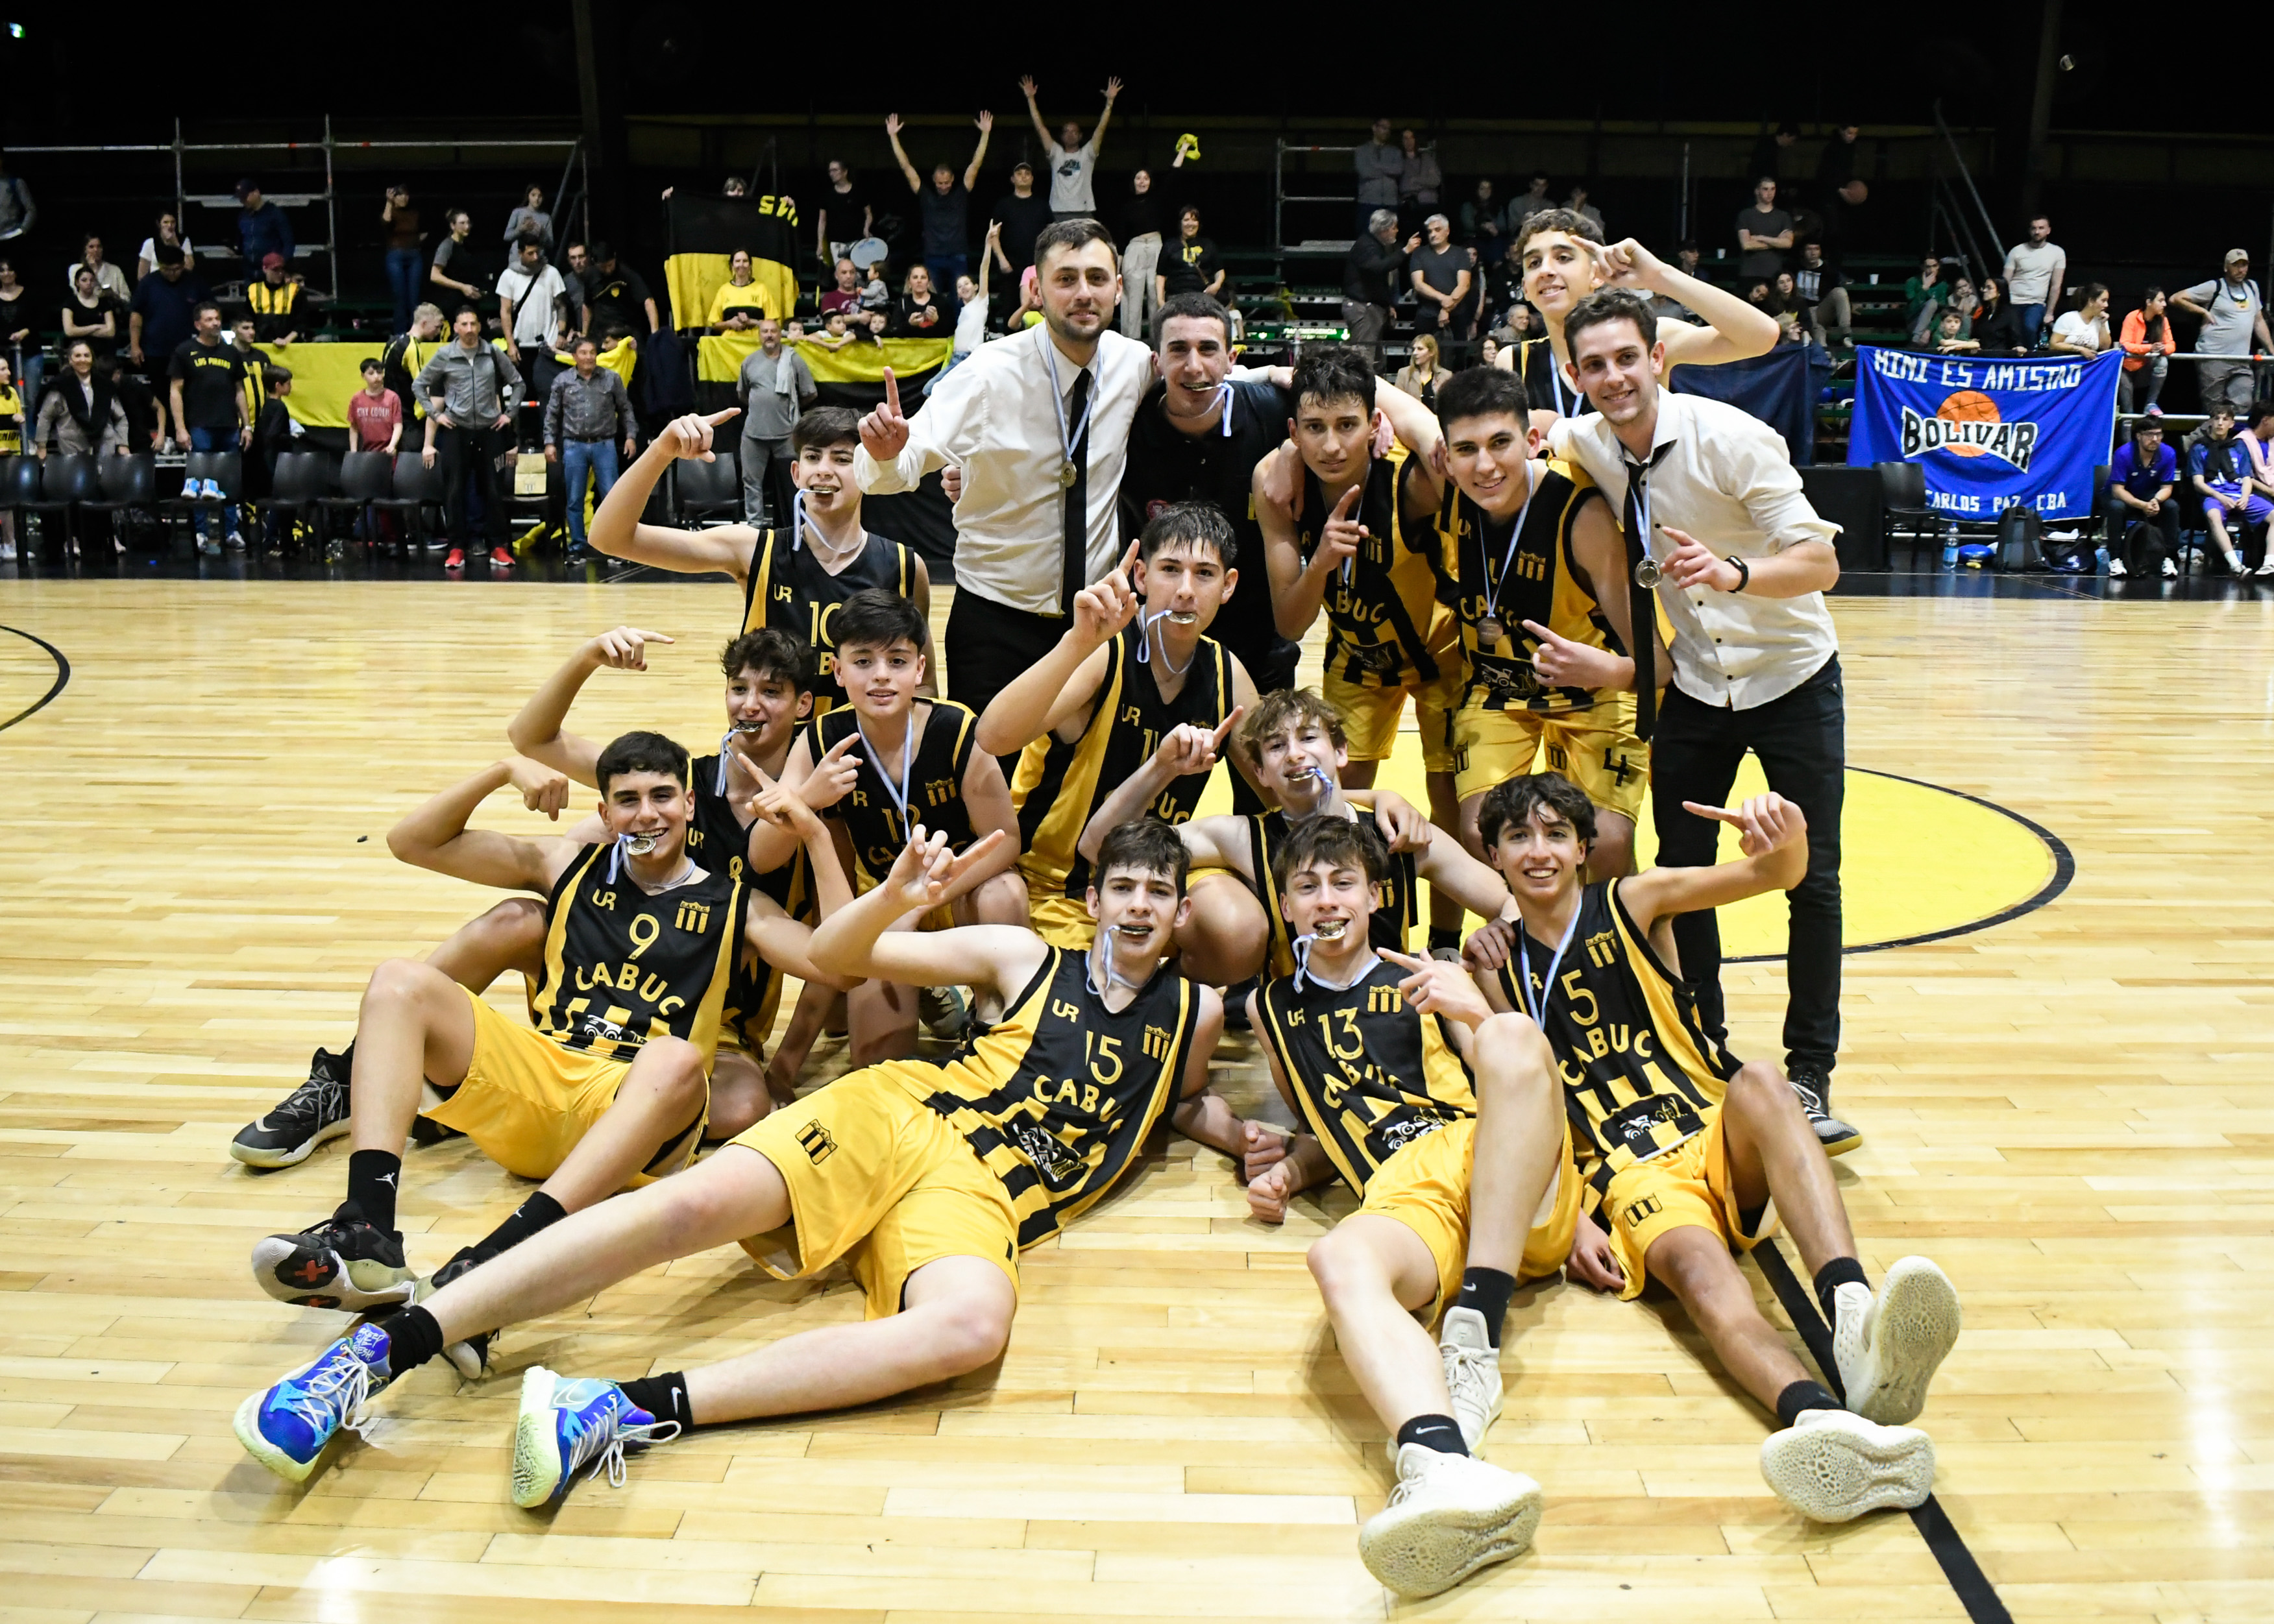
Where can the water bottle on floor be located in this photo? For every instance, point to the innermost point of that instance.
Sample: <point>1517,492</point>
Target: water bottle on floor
<point>1950,543</point>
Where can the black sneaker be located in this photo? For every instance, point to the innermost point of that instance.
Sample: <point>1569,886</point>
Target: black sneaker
<point>946,1012</point>
<point>315,1111</point>
<point>340,1263</point>
<point>471,1357</point>
<point>1235,1004</point>
<point>1813,1089</point>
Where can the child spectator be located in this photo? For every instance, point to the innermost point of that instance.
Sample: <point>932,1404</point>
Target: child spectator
<point>375,411</point>
<point>273,435</point>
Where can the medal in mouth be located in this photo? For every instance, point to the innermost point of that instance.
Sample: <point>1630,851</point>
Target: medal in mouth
<point>641,845</point>
<point>1331,929</point>
<point>746,727</point>
<point>1181,617</point>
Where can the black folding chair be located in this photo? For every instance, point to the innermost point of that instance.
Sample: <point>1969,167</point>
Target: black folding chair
<point>66,479</point>
<point>130,491</point>
<point>365,476</point>
<point>418,493</point>
<point>225,469</point>
<point>1904,484</point>
<point>707,491</point>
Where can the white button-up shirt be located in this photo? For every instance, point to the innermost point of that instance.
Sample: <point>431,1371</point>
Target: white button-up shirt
<point>993,416</point>
<point>1728,481</point>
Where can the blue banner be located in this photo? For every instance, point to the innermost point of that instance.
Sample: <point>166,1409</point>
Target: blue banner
<point>1988,434</point>
<point>1779,388</point>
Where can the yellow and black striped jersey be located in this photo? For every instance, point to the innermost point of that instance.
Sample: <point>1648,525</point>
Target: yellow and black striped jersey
<point>1639,1074</point>
<point>1381,606</point>
<point>1396,899</point>
<point>871,812</point>
<point>1371,1073</point>
<point>255,384</point>
<point>1056,1097</point>
<point>788,587</point>
<point>1059,786</point>
<point>718,839</point>
<point>277,310</point>
<point>1539,585</point>
<point>11,421</point>
<point>622,967</point>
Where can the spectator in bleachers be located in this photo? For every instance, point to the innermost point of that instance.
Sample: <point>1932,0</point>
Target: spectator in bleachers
<point>1372,275</point>
<point>1503,276</point>
<point>1924,295</point>
<point>1773,154</point>
<point>108,277</point>
<point>775,387</point>
<point>945,207</point>
<point>159,323</point>
<point>919,311</point>
<point>846,296</point>
<point>1963,298</point>
<point>404,253</point>
<point>1484,222</point>
<point>1190,265</point>
<point>206,380</point>
<point>1380,162</point>
<point>2034,271</point>
<point>971,311</point>
<point>1441,276</point>
<point>1784,295</point>
<point>1519,324</point>
<point>1823,296</point>
<point>1487,350</point>
<point>616,295</point>
<point>1764,232</point>
<point>1073,162</point>
<point>1418,181</point>
<point>576,270</point>
<point>90,315</point>
<point>2148,348</point>
<point>2084,330</point>
<point>469,387</point>
<point>243,332</point>
<point>2220,474</point>
<point>405,355</point>
<point>280,305</point>
<point>169,230</point>
<point>375,411</point>
<point>740,299</point>
<point>20,331</point>
<point>2142,510</point>
<point>1665,306</point>
<point>530,297</point>
<point>261,228</point>
<point>454,269</point>
<point>1143,224</point>
<point>1535,199</point>
<point>1578,205</point>
<point>1418,376</point>
<point>2256,439</point>
<point>80,413</point>
<point>845,215</point>
<point>1949,335</point>
<point>1997,329</point>
<point>274,432</point>
<point>530,220</point>
<point>17,209</point>
<point>1022,215</point>
<point>588,419</point>
<point>2232,316</point>
<point>12,444</point>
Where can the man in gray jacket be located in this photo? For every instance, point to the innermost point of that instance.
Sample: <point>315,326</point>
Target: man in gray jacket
<point>471,389</point>
<point>1380,166</point>
<point>775,387</point>
<point>587,417</point>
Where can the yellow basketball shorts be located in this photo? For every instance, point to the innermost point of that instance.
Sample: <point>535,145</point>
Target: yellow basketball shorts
<point>1595,748</point>
<point>878,1178</point>
<point>1689,1185</point>
<point>1058,919</point>
<point>1425,1187</point>
<point>1370,715</point>
<point>527,1102</point>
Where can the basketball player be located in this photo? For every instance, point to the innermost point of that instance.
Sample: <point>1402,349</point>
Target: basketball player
<point>1357,543</point>
<point>610,1088</point>
<point>1544,648</point>
<point>767,697</point>
<point>1091,715</point>
<point>875,766</point>
<point>1297,753</point>
<point>927,1180</point>
<point>1419,1097</point>
<point>1686,1154</point>
<point>1563,259</point>
<point>795,577</point>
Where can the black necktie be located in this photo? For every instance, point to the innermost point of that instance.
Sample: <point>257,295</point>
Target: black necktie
<point>1076,572</point>
<point>1642,601</point>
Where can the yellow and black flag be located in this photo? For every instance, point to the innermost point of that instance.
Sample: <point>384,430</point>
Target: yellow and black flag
<point>704,233</point>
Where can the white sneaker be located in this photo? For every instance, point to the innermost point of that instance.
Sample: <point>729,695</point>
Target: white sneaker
<point>1834,1466</point>
<point>1449,1515</point>
<point>7,552</point>
<point>2169,568</point>
<point>2267,569</point>
<point>2116,567</point>
<point>1887,1348</point>
<point>1471,1374</point>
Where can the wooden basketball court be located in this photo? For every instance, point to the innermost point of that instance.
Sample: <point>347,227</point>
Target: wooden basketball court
<point>2070,1110</point>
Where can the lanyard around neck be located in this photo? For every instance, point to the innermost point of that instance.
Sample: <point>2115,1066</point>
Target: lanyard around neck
<point>1538,1009</point>
<point>1515,535</point>
<point>1067,442</point>
<point>899,791</point>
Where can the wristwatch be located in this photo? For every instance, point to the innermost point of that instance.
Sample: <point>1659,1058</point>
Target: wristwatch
<point>1744,572</point>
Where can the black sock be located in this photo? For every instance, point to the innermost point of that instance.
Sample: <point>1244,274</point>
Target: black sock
<point>372,1175</point>
<point>540,1212</point>
<point>413,1338</point>
<point>1444,936</point>
<point>1442,1433</point>
<point>1487,1290</point>
<point>1804,1395</point>
<point>664,1396</point>
<point>1830,1278</point>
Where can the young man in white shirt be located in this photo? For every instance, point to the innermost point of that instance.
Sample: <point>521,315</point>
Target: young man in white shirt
<point>1756,660</point>
<point>2034,273</point>
<point>1073,161</point>
<point>530,292</point>
<point>1038,423</point>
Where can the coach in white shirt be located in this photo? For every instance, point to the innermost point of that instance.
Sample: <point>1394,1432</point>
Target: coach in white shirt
<point>1718,525</point>
<point>1039,424</point>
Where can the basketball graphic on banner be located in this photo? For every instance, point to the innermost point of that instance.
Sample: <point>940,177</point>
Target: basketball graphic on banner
<point>1967,406</point>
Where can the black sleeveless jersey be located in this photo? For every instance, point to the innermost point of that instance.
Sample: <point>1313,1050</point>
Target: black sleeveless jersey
<point>871,811</point>
<point>1544,381</point>
<point>1535,581</point>
<point>788,588</point>
<point>1396,905</point>
<point>717,840</point>
<point>622,966</point>
<point>1378,619</point>
<point>1056,1097</point>
<point>1640,1076</point>
<point>1059,786</point>
<point>1371,1073</point>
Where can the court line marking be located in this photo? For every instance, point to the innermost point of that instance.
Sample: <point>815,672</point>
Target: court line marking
<point>63,677</point>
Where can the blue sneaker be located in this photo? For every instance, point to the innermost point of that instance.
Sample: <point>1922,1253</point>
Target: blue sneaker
<point>565,1425</point>
<point>286,1428</point>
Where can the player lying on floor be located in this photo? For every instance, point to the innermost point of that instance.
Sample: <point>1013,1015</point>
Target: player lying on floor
<point>1446,1120</point>
<point>926,1178</point>
<point>610,1087</point>
<point>1686,1152</point>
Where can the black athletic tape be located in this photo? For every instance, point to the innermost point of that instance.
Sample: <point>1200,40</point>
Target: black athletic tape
<point>1970,1584</point>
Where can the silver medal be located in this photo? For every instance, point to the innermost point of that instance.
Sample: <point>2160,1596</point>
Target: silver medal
<point>1647,574</point>
<point>1488,631</point>
<point>1066,478</point>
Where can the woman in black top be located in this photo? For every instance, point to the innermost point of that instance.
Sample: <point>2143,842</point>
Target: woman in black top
<point>1189,265</point>
<point>455,270</point>
<point>917,312</point>
<point>1144,220</point>
<point>1996,328</point>
<point>90,314</point>
<point>17,328</point>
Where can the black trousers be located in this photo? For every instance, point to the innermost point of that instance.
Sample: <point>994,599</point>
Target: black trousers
<point>2137,539</point>
<point>990,643</point>
<point>459,452</point>
<point>1801,741</point>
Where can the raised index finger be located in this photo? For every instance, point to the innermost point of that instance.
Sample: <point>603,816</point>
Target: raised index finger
<point>1719,814</point>
<point>717,417</point>
<point>891,392</point>
<point>1224,727</point>
<point>1348,501</point>
<point>1420,967</point>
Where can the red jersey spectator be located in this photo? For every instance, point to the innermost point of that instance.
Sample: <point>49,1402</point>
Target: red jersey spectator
<point>375,411</point>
